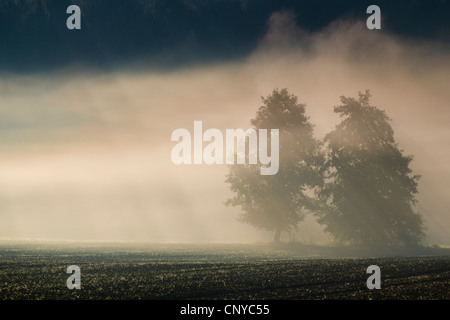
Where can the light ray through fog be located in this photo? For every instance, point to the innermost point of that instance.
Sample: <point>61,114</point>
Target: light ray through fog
<point>86,156</point>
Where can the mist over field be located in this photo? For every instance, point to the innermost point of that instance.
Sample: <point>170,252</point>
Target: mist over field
<point>85,154</point>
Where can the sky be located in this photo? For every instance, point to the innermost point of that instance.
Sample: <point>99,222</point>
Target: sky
<point>86,115</point>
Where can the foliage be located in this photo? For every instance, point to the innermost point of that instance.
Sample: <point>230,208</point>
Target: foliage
<point>370,189</point>
<point>279,202</point>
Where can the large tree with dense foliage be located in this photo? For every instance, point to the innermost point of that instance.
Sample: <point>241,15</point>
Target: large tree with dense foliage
<point>279,202</point>
<point>369,193</point>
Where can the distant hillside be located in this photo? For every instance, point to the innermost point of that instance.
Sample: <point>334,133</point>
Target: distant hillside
<point>167,34</point>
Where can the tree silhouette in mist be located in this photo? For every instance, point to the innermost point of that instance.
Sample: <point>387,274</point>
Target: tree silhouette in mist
<point>369,192</point>
<point>279,202</point>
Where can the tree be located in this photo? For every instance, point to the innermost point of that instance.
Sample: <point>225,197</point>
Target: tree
<point>279,202</point>
<point>369,190</point>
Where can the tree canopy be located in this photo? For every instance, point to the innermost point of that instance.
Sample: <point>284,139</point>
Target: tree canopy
<point>357,182</point>
<point>369,193</point>
<point>279,202</point>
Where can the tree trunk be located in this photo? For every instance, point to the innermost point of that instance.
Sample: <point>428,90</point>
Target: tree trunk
<point>277,236</point>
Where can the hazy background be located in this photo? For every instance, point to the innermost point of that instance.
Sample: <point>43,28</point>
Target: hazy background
<point>85,151</point>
